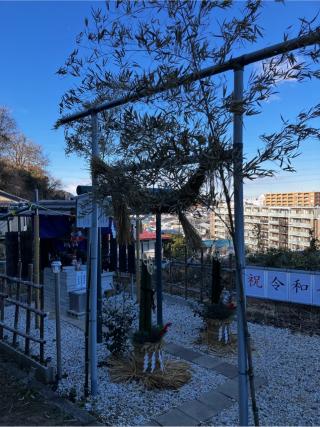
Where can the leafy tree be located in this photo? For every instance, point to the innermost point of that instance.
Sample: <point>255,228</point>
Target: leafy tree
<point>179,139</point>
<point>177,246</point>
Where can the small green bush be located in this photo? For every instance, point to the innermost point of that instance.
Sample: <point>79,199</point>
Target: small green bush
<point>308,259</point>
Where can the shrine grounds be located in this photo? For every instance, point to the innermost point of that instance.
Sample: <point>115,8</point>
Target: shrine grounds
<point>286,364</point>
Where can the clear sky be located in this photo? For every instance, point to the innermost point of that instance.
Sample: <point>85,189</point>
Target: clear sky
<point>35,39</point>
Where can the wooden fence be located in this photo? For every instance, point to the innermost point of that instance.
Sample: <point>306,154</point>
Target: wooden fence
<point>22,295</point>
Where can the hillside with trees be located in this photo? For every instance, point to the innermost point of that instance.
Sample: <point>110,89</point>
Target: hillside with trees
<point>23,165</point>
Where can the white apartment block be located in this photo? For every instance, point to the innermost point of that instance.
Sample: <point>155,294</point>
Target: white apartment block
<point>271,226</point>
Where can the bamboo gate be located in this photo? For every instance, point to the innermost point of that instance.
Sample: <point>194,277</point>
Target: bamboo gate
<point>237,66</point>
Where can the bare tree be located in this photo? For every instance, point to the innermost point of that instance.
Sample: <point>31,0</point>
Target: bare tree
<point>24,154</point>
<point>8,127</point>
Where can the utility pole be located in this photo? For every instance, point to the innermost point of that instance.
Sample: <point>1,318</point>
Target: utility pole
<point>239,242</point>
<point>94,264</point>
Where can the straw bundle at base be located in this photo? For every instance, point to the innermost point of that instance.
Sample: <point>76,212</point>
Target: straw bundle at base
<point>147,365</point>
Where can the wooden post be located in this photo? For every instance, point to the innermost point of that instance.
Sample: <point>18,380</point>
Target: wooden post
<point>201,281</point>
<point>16,313</point>
<point>170,269</point>
<point>41,324</point>
<point>36,257</point>
<point>2,303</point>
<point>28,312</point>
<point>185,272</point>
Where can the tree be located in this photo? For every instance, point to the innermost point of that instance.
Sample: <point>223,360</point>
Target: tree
<point>179,140</point>
<point>8,127</point>
<point>24,154</point>
<point>23,163</point>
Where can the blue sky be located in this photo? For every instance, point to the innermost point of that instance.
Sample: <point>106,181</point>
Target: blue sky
<point>35,39</point>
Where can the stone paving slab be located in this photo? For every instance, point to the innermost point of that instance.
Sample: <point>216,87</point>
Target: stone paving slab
<point>152,423</point>
<point>217,401</point>
<point>226,369</point>
<point>182,352</point>
<point>209,404</point>
<point>259,381</point>
<point>206,361</point>
<point>172,348</point>
<point>176,418</point>
<point>197,410</point>
<point>229,388</point>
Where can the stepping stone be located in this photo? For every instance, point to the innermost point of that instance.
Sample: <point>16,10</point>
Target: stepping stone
<point>259,381</point>
<point>151,423</point>
<point>187,354</point>
<point>175,418</point>
<point>197,410</point>
<point>227,369</point>
<point>182,352</point>
<point>206,361</point>
<point>172,348</point>
<point>216,401</point>
<point>229,388</point>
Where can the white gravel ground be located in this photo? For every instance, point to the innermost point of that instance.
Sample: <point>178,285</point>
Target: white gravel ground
<point>289,362</point>
<point>117,404</point>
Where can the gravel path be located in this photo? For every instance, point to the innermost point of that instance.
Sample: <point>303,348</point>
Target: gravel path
<point>289,362</point>
<point>117,404</point>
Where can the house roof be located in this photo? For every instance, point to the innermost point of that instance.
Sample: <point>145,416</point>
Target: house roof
<point>149,235</point>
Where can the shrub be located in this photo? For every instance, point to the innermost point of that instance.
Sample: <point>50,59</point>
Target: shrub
<point>118,316</point>
<point>308,259</point>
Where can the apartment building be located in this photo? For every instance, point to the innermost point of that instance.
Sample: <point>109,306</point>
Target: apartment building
<point>292,199</point>
<point>271,226</point>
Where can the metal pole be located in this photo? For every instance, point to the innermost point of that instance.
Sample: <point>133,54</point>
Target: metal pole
<point>58,322</point>
<point>99,290</point>
<point>239,243</point>
<point>158,254</point>
<point>138,258</point>
<point>36,256</point>
<point>94,265</point>
<point>86,333</point>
